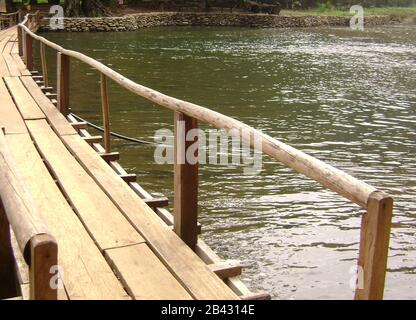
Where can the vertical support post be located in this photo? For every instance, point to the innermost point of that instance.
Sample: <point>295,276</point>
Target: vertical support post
<point>43,255</point>
<point>374,245</point>
<point>44,64</point>
<point>28,51</point>
<point>7,270</point>
<point>63,83</point>
<point>186,180</point>
<point>20,40</point>
<point>106,113</point>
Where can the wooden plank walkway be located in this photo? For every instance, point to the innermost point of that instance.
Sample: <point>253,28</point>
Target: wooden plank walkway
<point>112,245</point>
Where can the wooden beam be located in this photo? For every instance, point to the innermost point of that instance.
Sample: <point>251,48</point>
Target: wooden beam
<point>112,156</point>
<point>130,177</point>
<point>105,108</point>
<point>20,40</point>
<point>157,202</point>
<point>28,51</point>
<point>44,256</point>
<point>79,125</point>
<point>63,64</point>
<point>226,269</point>
<point>374,245</point>
<point>185,204</point>
<point>7,279</point>
<point>257,296</point>
<point>44,63</point>
<point>93,139</point>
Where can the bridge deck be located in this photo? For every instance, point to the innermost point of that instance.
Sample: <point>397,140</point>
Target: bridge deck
<point>111,244</point>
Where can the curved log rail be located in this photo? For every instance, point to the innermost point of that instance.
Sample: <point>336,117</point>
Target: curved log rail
<point>38,247</point>
<point>11,19</point>
<point>376,222</point>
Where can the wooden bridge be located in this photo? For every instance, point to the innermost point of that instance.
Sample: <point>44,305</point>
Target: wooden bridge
<point>67,205</point>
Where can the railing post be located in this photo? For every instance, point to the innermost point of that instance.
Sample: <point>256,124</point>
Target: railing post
<point>374,245</point>
<point>28,51</point>
<point>106,113</point>
<point>185,180</point>
<point>44,64</point>
<point>44,256</point>
<point>20,40</point>
<point>63,83</point>
<point>8,286</point>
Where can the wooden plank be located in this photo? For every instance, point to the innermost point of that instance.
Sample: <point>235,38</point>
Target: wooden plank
<point>374,246</point>
<point>86,273</point>
<point>19,62</point>
<point>10,118</point>
<point>186,266</point>
<point>24,101</point>
<point>100,216</point>
<point>4,70</point>
<point>143,274</point>
<point>185,204</point>
<point>11,64</point>
<point>57,121</point>
<point>44,256</point>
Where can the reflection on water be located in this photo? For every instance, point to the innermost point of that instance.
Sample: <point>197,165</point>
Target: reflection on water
<point>346,97</point>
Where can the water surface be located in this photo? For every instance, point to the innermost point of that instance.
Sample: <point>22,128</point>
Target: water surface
<point>345,97</point>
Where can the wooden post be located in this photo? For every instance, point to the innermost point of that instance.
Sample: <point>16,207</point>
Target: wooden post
<point>20,40</point>
<point>44,64</point>
<point>106,113</point>
<point>63,83</point>
<point>44,255</point>
<point>7,279</point>
<point>374,245</point>
<point>185,182</point>
<point>28,52</point>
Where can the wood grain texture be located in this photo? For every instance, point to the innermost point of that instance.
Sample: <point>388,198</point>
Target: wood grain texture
<point>374,245</point>
<point>10,118</point>
<point>144,275</point>
<point>23,100</point>
<point>104,221</point>
<point>57,121</point>
<point>181,261</point>
<point>86,273</point>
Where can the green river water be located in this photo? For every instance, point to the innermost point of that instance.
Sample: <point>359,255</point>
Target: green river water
<point>346,97</point>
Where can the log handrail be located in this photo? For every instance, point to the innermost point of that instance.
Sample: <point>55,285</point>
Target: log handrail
<point>351,188</point>
<point>376,221</point>
<point>38,247</point>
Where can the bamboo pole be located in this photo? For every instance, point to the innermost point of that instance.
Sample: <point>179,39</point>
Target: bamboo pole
<point>106,113</point>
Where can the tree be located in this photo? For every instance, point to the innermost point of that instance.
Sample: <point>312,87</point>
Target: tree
<point>88,8</point>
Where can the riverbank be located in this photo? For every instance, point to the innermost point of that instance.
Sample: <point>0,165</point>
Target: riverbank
<point>157,19</point>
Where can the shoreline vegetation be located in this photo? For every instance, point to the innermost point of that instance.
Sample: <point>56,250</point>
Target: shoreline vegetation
<point>395,13</point>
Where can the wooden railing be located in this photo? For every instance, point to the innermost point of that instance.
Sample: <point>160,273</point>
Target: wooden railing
<point>37,246</point>
<point>375,226</point>
<point>10,19</point>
